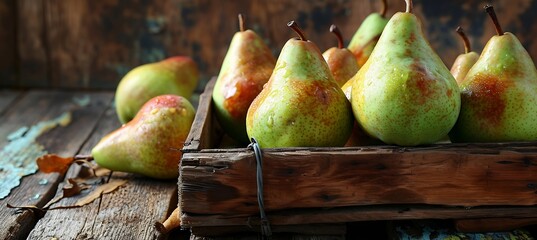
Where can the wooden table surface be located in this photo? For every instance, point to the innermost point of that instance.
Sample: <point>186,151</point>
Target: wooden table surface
<point>128,213</point>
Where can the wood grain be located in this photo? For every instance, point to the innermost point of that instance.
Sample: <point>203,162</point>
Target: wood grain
<point>8,38</point>
<point>7,97</point>
<point>37,189</point>
<point>360,213</point>
<point>92,44</point>
<point>128,213</point>
<point>32,44</point>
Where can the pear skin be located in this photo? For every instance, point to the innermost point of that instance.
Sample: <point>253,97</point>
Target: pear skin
<point>366,37</point>
<point>247,66</point>
<point>464,61</point>
<point>499,93</point>
<point>176,75</point>
<point>301,105</point>
<point>404,94</point>
<point>340,60</point>
<point>150,144</point>
<point>358,136</point>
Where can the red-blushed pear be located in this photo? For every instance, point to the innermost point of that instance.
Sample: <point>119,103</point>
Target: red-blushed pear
<point>366,37</point>
<point>301,105</point>
<point>499,93</point>
<point>246,68</point>
<point>150,144</point>
<point>464,61</point>
<point>404,94</point>
<point>175,75</point>
<point>341,61</point>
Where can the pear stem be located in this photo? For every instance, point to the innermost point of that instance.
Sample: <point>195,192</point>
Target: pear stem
<point>241,22</point>
<point>84,157</point>
<point>296,28</point>
<point>467,47</point>
<point>409,6</point>
<point>384,8</point>
<point>335,30</point>
<point>492,14</point>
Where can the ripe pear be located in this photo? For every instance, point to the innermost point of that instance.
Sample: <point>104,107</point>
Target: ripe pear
<point>176,75</point>
<point>301,105</point>
<point>366,37</point>
<point>404,94</point>
<point>499,93</point>
<point>464,61</point>
<point>149,144</point>
<point>341,61</point>
<point>358,136</point>
<point>247,66</point>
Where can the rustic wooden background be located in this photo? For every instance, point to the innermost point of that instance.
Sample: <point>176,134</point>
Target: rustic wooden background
<point>92,44</point>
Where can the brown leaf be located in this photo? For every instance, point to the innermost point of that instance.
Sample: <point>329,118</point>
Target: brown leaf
<point>171,223</point>
<point>73,188</point>
<point>53,163</point>
<point>100,190</point>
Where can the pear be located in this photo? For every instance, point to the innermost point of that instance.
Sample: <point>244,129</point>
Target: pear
<point>366,37</point>
<point>358,136</point>
<point>404,94</point>
<point>175,75</point>
<point>340,60</point>
<point>464,61</point>
<point>499,93</point>
<point>247,66</point>
<point>149,144</point>
<point>301,105</point>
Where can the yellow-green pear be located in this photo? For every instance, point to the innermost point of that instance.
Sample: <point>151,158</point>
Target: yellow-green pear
<point>464,61</point>
<point>404,94</point>
<point>301,105</point>
<point>499,93</point>
<point>366,37</point>
<point>151,143</point>
<point>175,75</point>
<point>340,60</point>
<point>246,68</point>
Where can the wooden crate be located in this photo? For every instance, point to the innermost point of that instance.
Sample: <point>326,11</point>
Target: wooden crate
<point>217,186</point>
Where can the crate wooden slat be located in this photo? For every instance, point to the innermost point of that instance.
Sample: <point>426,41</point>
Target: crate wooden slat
<point>218,187</point>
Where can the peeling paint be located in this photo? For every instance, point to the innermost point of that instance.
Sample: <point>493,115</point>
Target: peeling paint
<point>82,101</point>
<point>17,158</point>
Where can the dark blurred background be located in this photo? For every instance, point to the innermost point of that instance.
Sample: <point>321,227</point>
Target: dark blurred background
<point>85,44</point>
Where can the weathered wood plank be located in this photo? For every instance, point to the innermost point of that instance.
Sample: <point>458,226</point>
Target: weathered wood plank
<point>361,213</point>
<point>128,213</point>
<point>34,107</point>
<point>68,40</point>
<point>493,224</point>
<point>32,45</point>
<point>7,97</point>
<point>219,183</point>
<point>8,50</point>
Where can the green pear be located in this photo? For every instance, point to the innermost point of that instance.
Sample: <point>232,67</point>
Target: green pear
<point>301,105</point>
<point>499,93</point>
<point>247,66</point>
<point>464,61</point>
<point>404,94</point>
<point>176,75</point>
<point>366,37</point>
<point>150,144</point>
<point>340,60</point>
<point>358,136</point>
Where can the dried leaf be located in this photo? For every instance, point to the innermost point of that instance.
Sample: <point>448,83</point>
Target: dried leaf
<point>171,223</point>
<point>73,188</point>
<point>53,163</point>
<point>36,210</point>
<point>100,190</point>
